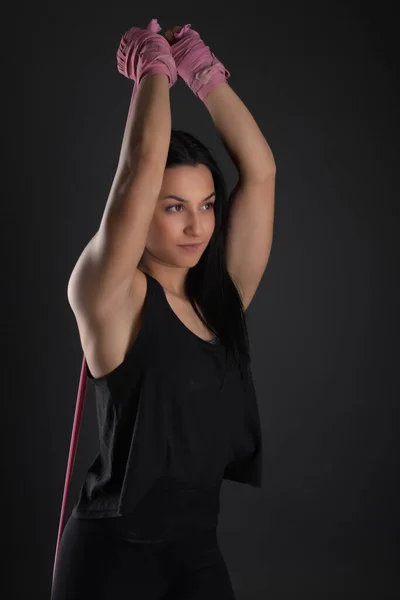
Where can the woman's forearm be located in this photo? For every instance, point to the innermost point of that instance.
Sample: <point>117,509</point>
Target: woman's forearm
<point>240,134</point>
<point>148,127</point>
<point>145,145</point>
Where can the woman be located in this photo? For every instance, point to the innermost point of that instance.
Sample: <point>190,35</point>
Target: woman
<point>163,331</point>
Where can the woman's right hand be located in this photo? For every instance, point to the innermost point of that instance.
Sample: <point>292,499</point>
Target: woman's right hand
<point>143,52</point>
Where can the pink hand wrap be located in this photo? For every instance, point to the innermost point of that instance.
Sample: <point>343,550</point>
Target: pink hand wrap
<point>144,52</point>
<point>196,64</point>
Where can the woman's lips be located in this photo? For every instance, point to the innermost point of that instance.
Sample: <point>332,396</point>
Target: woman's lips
<point>190,247</point>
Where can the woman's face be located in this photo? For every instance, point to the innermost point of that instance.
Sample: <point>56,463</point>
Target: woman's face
<point>190,220</point>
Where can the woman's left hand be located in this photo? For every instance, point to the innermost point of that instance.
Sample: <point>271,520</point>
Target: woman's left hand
<point>195,63</point>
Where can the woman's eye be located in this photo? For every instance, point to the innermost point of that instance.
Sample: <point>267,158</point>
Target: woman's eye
<point>168,209</point>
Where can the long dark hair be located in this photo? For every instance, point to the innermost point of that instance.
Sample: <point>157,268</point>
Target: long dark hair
<point>208,283</point>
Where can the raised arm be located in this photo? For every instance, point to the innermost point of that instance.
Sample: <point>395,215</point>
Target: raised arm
<point>104,271</point>
<point>252,201</point>
<point>251,211</point>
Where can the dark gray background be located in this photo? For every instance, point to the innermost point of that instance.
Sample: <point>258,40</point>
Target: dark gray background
<point>321,81</point>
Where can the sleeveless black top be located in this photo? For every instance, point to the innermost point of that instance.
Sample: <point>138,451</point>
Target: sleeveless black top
<point>172,408</point>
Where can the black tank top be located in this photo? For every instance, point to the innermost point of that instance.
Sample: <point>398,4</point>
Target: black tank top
<point>172,409</point>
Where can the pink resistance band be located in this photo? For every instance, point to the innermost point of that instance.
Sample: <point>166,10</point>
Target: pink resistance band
<point>78,415</point>
<point>72,450</point>
<point>135,65</point>
<point>152,65</point>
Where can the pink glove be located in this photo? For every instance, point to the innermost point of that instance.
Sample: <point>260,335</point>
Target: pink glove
<point>195,62</point>
<point>144,52</point>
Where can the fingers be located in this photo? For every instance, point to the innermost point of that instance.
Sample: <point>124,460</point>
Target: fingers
<point>170,33</point>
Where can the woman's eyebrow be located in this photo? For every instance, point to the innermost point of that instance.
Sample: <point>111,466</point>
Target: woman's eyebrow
<point>183,200</point>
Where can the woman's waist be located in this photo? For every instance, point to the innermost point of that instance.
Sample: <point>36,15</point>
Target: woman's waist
<point>173,482</point>
<point>170,510</point>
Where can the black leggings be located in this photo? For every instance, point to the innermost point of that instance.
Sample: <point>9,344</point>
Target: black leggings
<point>166,549</point>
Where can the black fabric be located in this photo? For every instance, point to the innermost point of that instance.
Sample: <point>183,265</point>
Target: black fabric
<point>109,558</point>
<point>172,409</point>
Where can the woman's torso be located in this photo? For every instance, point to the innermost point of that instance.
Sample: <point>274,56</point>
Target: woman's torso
<point>108,341</point>
<point>169,406</point>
